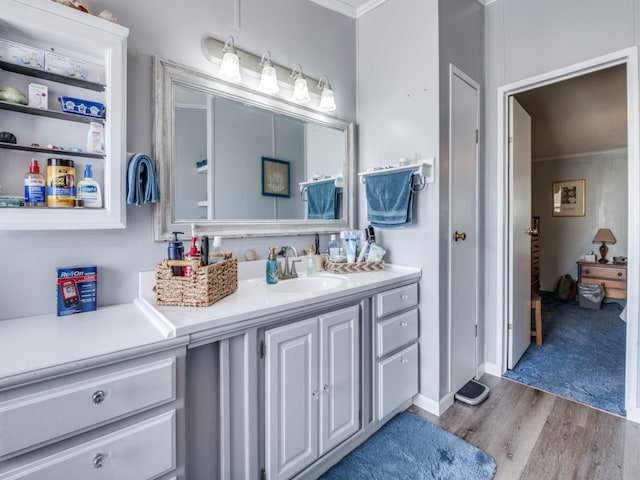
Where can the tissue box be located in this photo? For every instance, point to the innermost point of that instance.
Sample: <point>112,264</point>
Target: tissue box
<point>19,54</point>
<point>76,289</point>
<point>589,257</point>
<point>79,106</point>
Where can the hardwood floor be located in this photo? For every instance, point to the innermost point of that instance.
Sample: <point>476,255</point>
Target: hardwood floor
<point>536,435</point>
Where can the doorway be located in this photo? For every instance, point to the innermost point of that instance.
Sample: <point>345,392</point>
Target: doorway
<point>509,279</point>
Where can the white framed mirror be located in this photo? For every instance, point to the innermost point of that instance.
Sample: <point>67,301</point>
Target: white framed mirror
<point>231,160</point>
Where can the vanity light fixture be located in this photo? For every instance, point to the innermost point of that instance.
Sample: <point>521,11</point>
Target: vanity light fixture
<point>300,87</point>
<point>230,67</point>
<point>268,78</point>
<point>327,102</point>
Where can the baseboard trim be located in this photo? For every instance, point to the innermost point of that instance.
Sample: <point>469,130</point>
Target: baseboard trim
<point>633,415</point>
<point>492,369</point>
<point>433,406</point>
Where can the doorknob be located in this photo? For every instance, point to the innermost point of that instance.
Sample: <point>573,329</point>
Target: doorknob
<point>459,236</point>
<point>531,231</point>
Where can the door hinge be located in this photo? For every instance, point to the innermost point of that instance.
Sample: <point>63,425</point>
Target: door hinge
<point>477,135</point>
<point>510,326</point>
<point>263,474</point>
<point>263,349</point>
<point>510,139</point>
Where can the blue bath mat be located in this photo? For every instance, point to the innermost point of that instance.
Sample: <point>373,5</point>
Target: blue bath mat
<point>411,448</point>
<point>582,356</point>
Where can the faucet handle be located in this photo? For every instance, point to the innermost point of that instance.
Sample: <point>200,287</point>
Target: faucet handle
<point>293,272</point>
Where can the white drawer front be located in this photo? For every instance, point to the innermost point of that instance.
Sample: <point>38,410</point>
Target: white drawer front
<point>398,380</point>
<point>397,299</point>
<point>139,452</point>
<point>397,332</point>
<point>71,407</point>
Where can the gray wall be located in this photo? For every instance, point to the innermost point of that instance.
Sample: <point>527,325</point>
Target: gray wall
<point>398,117</point>
<point>523,39</point>
<point>323,41</point>
<point>564,240</point>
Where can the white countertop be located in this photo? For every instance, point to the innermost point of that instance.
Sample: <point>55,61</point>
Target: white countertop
<point>32,346</point>
<point>255,299</point>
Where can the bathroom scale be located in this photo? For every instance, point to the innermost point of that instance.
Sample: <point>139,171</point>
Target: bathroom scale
<point>472,393</point>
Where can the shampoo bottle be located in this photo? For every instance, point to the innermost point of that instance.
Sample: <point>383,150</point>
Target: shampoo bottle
<point>89,190</point>
<point>176,252</point>
<point>272,267</point>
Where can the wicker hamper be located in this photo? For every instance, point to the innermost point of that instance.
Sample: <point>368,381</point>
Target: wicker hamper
<point>205,286</point>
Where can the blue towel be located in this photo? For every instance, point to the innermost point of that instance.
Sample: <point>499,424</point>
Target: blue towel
<point>141,174</point>
<point>389,199</point>
<point>321,201</point>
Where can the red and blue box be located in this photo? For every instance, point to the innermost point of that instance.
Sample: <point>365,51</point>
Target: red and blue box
<point>77,289</point>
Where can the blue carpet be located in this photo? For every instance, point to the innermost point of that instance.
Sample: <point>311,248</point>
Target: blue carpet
<point>582,356</point>
<point>411,448</point>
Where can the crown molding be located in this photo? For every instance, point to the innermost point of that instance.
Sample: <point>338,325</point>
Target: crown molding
<point>348,10</point>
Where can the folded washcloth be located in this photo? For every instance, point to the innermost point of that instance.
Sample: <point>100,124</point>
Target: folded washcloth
<point>141,174</point>
<point>389,199</point>
<point>321,201</point>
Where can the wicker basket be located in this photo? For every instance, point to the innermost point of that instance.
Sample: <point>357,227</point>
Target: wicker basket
<point>205,286</point>
<point>357,267</point>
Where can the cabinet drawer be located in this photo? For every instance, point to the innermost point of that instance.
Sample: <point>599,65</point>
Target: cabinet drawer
<point>619,274</point>
<point>141,451</point>
<point>71,407</point>
<point>397,299</point>
<point>398,380</point>
<point>397,332</point>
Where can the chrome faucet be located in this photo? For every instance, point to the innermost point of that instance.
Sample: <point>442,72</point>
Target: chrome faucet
<point>289,269</point>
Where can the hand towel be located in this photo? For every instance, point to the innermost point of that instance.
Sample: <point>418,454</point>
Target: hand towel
<point>389,199</point>
<point>321,201</point>
<point>141,175</point>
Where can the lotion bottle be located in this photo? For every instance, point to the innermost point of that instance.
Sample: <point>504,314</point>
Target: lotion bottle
<point>272,267</point>
<point>311,261</point>
<point>89,190</point>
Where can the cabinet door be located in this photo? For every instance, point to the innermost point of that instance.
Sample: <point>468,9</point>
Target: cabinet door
<point>291,397</point>
<point>340,378</point>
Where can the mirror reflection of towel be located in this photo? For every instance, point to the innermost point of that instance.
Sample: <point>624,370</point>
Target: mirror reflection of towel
<point>389,199</point>
<point>321,201</point>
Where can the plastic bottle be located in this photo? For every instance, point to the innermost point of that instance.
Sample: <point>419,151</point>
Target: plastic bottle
<point>89,190</point>
<point>95,138</point>
<point>334,248</point>
<point>216,253</point>
<point>175,251</point>
<point>272,267</point>
<point>34,186</point>
<point>311,261</point>
<point>193,254</point>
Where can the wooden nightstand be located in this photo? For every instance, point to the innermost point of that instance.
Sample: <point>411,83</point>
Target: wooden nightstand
<point>612,275</point>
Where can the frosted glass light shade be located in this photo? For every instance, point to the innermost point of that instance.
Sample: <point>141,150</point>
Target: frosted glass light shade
<point>269,80</point>
<point>301,91</point>
<point>327,102</point>
<point>230,68</point>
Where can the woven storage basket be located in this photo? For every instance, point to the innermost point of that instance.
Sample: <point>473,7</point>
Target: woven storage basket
<point>357,267</point>
<point>205,286</point>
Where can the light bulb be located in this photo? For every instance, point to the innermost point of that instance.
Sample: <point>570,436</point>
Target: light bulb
<point>269,80</point>
<point>327,102</point>
<point>301,91</point>
<point>230,67</point>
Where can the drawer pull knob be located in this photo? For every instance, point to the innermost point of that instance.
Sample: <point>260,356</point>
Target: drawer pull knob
<point>587,272</point>
<point>98,397</point>
<point>404,324</point>
<point>404,360</point>
<point>98,460</point>
<point>404,296</point>
<point>619,274</point>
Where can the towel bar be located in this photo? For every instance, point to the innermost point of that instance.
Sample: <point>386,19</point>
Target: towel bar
<point>417,166</point>
<point>333,178</point>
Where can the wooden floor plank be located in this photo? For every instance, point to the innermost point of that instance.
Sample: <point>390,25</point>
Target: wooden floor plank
<point>533,434</point>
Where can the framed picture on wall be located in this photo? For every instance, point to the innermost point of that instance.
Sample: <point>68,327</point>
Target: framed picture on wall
<point>569,198</point>
<point>275,177</point>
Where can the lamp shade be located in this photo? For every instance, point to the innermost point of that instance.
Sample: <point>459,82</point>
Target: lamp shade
<point>269,80</point>
<point>604,235</point>
<point>327,101</point>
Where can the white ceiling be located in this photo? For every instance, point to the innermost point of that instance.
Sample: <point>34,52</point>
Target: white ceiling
<point>355,8</point>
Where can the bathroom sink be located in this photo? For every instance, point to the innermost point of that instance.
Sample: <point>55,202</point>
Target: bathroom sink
<point>301,284</point>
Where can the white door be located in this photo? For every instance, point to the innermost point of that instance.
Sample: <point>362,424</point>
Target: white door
<point>291,398</point>
<point>339,377</point>
<point>463,227</point>
<point>519,321</point>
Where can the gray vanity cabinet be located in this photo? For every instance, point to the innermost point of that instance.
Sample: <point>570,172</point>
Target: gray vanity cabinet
<point>312,389</point>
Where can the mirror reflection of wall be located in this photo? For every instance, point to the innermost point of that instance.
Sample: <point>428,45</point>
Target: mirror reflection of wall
<point>227,184</point>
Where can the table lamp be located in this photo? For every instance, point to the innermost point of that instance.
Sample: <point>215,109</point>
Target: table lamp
<point>605,236</point>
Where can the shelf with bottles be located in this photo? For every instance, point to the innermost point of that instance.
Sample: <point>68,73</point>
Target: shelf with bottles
<point>54,77</point>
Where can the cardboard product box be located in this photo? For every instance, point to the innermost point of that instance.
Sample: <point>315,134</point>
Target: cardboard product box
<point>38,96</point>
<point>63,65</point>
<point>76,289</point>
<point>19,54</point>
